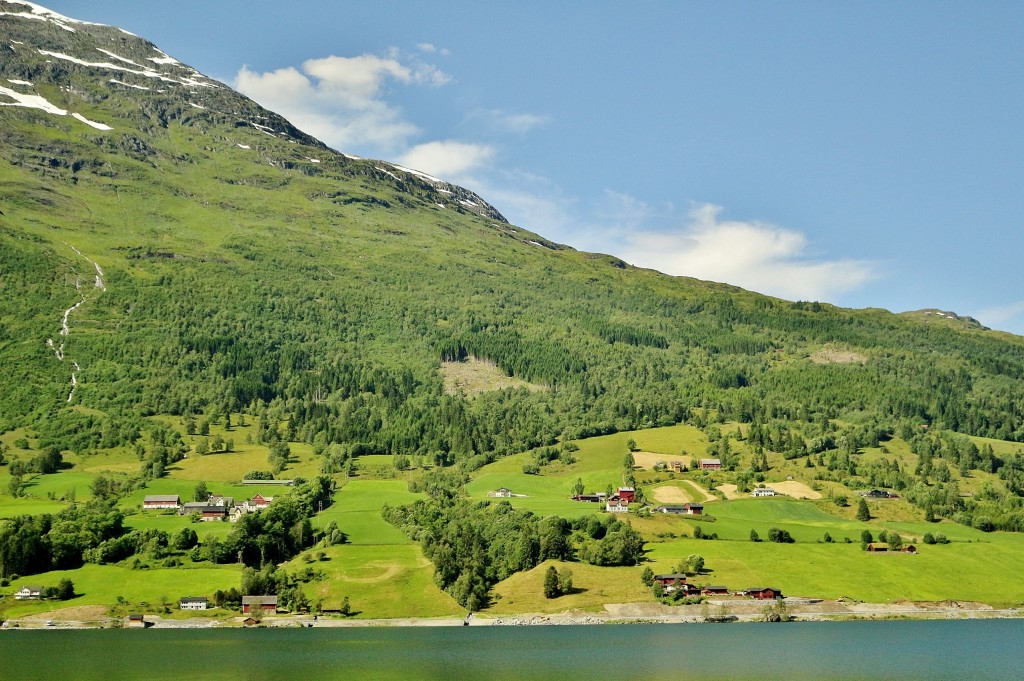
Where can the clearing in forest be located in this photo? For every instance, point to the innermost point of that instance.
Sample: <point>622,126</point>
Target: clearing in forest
<point>648,460</point>
<point>474,376</point>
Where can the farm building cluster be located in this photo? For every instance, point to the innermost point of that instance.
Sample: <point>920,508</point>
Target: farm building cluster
<point>677,582</point>
<point>215,508</point>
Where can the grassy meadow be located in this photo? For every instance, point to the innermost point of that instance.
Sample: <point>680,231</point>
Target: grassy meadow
<point>385,575</point>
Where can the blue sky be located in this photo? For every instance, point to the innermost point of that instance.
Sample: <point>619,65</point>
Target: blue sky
<point>864,154</point>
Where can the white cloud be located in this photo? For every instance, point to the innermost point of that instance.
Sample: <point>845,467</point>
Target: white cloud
<point>754,255</point>
<point>1006,316</point>
<point>545,209</point>
<point>430,48</point>
<point>448,159</point>
<point>502,121</point>
<point>343,100</point>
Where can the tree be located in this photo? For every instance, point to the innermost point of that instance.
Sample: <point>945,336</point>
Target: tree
<point>578,488</point>
<point>551,589</point>
<point>695,563</point>
<point>14,486</point>
<point>776,611</point>
<point>631,445</point>
<point>184,539</point>
<point>201,493</point>
<point>865,537</point>
<point>754,536</point>
<point>863,514</point>
<point>65,589</point>
<point>202,446</point>
<point>647,576</point>
<point>565,581</point>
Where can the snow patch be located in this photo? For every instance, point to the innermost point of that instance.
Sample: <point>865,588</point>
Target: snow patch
<point>196,106</point>
<point>388,172</point>
<point>148,73</point>
<point>41,12</point>
<point>417,173</point>
<point>119,58</point>
<point>19,82</point>
<point>243,146</point>
<point>313,160</point>
<point>120,82</point>
<point>164,58</point>
<point>98,126</point>
<point>31,102</point>
<point>464,202</point>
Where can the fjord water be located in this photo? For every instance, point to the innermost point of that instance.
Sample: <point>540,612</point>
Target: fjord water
<point>985,650</point>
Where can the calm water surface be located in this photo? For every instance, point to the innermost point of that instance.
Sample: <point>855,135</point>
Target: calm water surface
<point>985,650</point>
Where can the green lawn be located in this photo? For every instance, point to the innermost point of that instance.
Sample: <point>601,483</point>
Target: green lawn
<point>380,581</point>
<point>103,584</point>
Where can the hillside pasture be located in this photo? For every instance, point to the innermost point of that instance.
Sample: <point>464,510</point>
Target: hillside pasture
<point>381,582</point>
<point>593,586</point>
<point>231,466</point>
<point>144,590</point>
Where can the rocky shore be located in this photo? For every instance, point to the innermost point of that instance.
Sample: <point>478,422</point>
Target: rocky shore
<point>623,613</point>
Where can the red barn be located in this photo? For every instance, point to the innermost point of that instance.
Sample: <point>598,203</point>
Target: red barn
<point>764,593</point>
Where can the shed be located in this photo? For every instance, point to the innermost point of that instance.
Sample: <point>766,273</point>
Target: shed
<point>764,593</point>
<point>158,501</point>
<point>670,579</point>
<point>259,603</point>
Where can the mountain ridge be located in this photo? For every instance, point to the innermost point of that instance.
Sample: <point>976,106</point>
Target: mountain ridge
<point>139,65</point>
<point>245,264</point>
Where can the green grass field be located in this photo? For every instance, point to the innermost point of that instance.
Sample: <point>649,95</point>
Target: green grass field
<point>385,574</point>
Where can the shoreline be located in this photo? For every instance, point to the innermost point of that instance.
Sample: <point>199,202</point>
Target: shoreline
<point>726,611</point>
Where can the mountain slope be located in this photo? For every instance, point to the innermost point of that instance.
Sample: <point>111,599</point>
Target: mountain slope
<point>167,246</point>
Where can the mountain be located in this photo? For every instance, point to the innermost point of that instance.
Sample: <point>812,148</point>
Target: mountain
<point>180,267</point>
<point>170,248</point>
